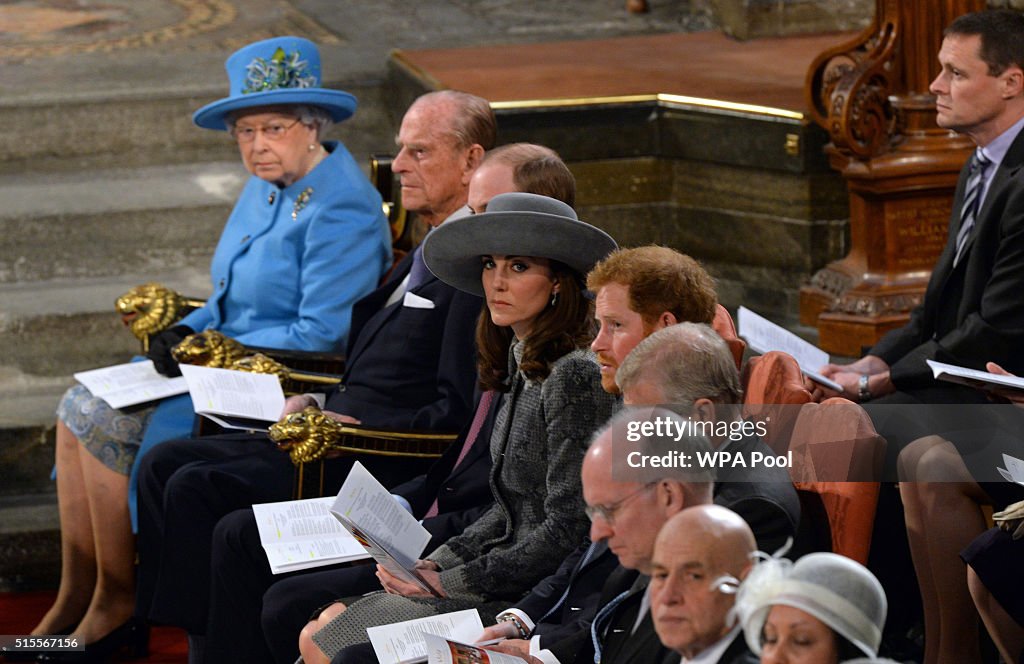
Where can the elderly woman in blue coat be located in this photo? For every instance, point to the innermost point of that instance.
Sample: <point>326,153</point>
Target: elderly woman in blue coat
<point>306,239</point>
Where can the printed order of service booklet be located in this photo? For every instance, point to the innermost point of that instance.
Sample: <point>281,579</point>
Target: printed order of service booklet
<point>764,336</point>
<point>130,384</point>
<point>235,399</point>
<point>391,535</point>
<point>301,534</point>
<point>434,638</point>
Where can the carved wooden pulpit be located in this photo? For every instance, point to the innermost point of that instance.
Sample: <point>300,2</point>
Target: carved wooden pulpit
<point>871,95</point>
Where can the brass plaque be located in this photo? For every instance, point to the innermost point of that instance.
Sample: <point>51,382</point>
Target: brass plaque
<point>917,229</point>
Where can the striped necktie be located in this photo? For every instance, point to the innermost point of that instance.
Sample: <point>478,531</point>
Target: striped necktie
<point>969,210</point>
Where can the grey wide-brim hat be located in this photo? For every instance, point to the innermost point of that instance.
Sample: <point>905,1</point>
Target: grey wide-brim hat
<point>515,224</point>
<point>836,590</point>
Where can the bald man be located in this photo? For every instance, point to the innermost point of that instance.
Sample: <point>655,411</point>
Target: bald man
<point>699,555</point>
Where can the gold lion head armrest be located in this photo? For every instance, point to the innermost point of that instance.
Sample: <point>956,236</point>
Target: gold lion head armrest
<point>209,349</point>
<point>213,349</point>
<point>311,435</point>
<point>291,380</point>
<point>151,308</point>
<point>260,363</point>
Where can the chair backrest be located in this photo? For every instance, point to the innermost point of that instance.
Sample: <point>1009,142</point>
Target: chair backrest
<point>837,456</point>
<point>726,328</point>
<point>772,386</point>
<point>403,235</point>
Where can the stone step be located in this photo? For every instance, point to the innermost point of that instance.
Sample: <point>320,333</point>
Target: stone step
<point>29,523</point>
<point>150,127</point>
<point>50,329</point>
<point>29,542</point>
<point>112,222</point>
<point>26,459</point>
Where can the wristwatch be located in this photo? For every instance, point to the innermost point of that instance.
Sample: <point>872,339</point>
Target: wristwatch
<point>863,393</point>
<point>517,623</point>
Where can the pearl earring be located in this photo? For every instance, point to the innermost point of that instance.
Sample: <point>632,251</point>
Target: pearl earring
<point>313,146</point>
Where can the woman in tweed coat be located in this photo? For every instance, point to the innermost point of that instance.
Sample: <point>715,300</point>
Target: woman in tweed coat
<point>527,255</point>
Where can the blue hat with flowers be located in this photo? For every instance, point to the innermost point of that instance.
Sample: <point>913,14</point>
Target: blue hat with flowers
<point>282,70</point>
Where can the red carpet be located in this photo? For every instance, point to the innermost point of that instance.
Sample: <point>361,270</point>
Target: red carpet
<point>19,613</point>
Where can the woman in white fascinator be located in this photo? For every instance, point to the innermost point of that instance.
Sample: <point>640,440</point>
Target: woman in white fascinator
<point>822,609</point>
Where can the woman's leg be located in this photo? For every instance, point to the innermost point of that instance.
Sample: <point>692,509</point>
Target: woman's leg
<point>310,651</point>
<point>942,503</point>
<point>1004,630</point>
<point>78,556</point>
<point>113,601</point>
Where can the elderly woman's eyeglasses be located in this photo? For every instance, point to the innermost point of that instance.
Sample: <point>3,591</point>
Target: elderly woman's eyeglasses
<point>272,131</point>
<point>607,512</point>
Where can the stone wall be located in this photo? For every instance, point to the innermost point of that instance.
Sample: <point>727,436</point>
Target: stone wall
<point>748,19</point>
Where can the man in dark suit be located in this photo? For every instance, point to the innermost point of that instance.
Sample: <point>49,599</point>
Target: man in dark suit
<point>565,602</point>
<point>699,557</point>
<point>972,311</point>
<point>690,368</point>
<point>409,365</point>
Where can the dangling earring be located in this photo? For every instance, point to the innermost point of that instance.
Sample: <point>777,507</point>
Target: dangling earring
<point>554,298</point>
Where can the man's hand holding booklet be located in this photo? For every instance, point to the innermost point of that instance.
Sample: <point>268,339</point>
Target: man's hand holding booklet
<point>1004,384</point>
<point>448,651</point>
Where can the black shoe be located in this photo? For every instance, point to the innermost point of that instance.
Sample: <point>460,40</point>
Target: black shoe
<point>132,638</point>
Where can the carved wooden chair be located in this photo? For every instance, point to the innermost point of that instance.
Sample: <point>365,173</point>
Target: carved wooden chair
<point>310,438</point>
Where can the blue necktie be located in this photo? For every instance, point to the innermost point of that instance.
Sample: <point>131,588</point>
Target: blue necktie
<point>969,211</point>
<point>418,273</point>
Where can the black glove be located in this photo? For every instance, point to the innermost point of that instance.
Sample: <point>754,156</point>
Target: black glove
<point>160,349</point>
